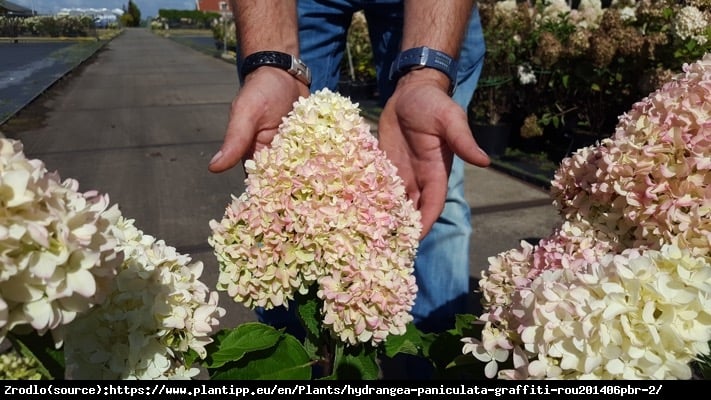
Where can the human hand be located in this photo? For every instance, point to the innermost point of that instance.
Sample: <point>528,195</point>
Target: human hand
<point>420,129</point>
<point>268,94</point>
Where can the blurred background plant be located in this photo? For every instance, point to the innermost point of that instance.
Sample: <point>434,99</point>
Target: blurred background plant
<point>357,66</point>
<point>562,72</point>
<point>504,30</point>
<point>49,26</point>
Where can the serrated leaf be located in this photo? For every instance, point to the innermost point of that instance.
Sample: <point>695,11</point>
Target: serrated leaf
<point>464,325</point>
<point>409,343</point>
<point>287,360</point>
<point>427,340</point>
<point>311,347</point>
<point>309,310</point>
<point>355,363</point>
<point>231,345</point>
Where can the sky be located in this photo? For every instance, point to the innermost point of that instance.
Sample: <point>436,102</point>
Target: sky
<point>148,8</point>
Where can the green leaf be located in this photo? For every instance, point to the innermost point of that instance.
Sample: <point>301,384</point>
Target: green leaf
<point>463,367</point>
<point>355,363</point>
<point>231,345</point>
<point>190,357</point>
<point>428,339</point>
<point>408,343</point>
<point>286,360</point>
<point>311,346</point>
<point>445,350</point>
<point>50,361</point>
<point>465,325</point>
<point>309,311</point>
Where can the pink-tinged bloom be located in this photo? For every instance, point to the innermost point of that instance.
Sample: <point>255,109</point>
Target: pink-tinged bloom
<point>323,206</point>
<point>621,290</point>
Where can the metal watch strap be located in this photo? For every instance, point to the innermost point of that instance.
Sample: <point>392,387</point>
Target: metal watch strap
<point>277,59</point>
<point>424,57</point>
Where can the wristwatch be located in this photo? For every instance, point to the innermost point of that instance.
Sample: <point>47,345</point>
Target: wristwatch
<point>424,57</point>
<point>277,59</point>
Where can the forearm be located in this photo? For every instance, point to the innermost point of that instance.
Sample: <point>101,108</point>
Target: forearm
<point>266,25</point>
<point>438,24</point>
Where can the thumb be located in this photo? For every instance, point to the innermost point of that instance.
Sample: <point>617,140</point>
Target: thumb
<point>461,141</point>
<point>237,143</point>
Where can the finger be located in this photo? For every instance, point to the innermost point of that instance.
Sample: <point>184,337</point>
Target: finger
<point>431,205</point>
<point>461,141</point>
<point>238,140</point>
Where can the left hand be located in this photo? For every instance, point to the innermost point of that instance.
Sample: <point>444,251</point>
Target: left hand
<point>420,129</point>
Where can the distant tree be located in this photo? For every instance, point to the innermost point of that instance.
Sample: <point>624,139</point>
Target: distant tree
<point>131,15</point>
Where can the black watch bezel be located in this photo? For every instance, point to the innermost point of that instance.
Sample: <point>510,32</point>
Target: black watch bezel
<point>276,59</point>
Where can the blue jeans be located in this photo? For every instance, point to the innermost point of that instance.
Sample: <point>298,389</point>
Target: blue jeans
<point>442,263</point>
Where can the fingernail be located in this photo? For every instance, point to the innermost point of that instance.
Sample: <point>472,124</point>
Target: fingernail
<point>482,151</point>
<point>216,157</point>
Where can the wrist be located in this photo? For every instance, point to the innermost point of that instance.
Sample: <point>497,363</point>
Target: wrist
<point>426,76</point>
<point>435,64</point>
<point>275,59</point>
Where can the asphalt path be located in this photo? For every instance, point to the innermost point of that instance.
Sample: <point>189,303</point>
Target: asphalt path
<point>28,69</point>
<point>139,120</point>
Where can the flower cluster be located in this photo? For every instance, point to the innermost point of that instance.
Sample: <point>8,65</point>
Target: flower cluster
<point>158,309</point>
<point>323,206</point>
<point>14,366</point>
<point>648,183</point>
<point>122,304</point>
<point>48,25</point>
<point>622,290</point>
<point>562,71</point>
<point>56,246</point>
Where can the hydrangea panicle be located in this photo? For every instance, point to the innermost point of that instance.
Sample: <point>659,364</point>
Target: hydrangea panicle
<point>621,290</point>
<point>57,254</point>
<point>157,310</point>
<point>323,206</point>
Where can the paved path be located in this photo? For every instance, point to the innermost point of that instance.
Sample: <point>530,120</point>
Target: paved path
<point>140,121</point>
<point>30,67</point>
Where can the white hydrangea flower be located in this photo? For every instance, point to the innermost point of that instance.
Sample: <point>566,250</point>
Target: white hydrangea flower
<point>57,249</point>
<point>633,315</point>
<point>691,23</point>
<point>526,75</point>
<point>158,309</point>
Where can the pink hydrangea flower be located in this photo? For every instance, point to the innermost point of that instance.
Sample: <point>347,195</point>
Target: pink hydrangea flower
<point>622,289</point>
<point>323,206</point>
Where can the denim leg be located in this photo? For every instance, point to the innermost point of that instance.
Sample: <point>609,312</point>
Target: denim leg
<point>442,263</point>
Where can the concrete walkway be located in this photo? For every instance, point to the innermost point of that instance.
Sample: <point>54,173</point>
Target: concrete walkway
<point>141,119</point>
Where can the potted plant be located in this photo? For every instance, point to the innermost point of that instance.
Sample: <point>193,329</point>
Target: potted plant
<point>591,63</point>
<point>357,67</point>
<point>490,110</point>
